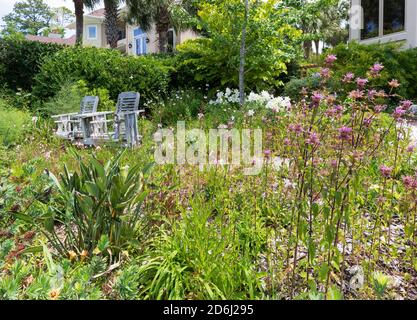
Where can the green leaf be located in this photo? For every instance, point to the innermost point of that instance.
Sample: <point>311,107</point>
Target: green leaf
<point>24,217</point>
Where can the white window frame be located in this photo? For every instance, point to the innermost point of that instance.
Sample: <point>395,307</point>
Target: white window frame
<point>141,37</point>
<point>88,32</point>
<point>396,36</point>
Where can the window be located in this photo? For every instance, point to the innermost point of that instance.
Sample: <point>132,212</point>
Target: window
<point>370,19</point>
<point>394,16</point>
<point>91,32</point>
<point>141,40</point>
<point>171,40</point>
<point>382,17</point>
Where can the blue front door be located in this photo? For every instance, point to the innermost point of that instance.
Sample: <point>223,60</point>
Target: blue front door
<point>140,41</point>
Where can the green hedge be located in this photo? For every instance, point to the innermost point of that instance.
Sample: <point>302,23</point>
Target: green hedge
<point>103,68</point>
<point>399,64</point>
<point>20,61</point>
<point>353,57</point>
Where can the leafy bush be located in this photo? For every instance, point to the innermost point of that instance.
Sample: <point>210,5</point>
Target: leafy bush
<point>69,97</point>
<point>398,64</point>
<point>13,125</point>
<point>67,100</point>
<point>356,58</point>
<point>270,44</point>
<point>180,105</point>
<point>102,68</point>
<point>20,61</point>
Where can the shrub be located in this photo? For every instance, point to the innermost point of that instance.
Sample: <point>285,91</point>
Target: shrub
<point>398,64</point>
<point>270,44</point>
<point>20,61</point>
<point>103,68</point>
<point>69,97</point>
<point>13,125</point>
<point>353,57</point>
<point>67,100</point>
<point>180,105</point>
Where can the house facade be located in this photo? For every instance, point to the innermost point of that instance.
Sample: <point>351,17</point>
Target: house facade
<point>380,21</point>
<point>132,39</point>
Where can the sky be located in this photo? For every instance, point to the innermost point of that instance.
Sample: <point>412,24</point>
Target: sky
<point>6,6</point>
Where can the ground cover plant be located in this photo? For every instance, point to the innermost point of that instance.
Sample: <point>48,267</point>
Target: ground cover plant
<point>331,215</point>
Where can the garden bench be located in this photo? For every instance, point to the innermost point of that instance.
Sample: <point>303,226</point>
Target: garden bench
<point>69,125</point>
<point>125,122</point>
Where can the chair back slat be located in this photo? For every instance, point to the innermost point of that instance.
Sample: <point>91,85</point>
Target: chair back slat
<point>128,102</point>
<point>89,104</point>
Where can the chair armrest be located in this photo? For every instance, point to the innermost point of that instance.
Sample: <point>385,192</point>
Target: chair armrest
<point>90,115</point>
<point>64,115</point>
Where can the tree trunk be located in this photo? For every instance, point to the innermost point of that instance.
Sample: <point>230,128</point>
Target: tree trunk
<point>307,48</point>
<point>243,57</point>
<point>111,22</point>
<point>162,27</point>
<point>79,21</point>
<point>317,44</point>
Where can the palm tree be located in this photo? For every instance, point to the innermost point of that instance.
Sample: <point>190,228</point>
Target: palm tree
<point>79,17</point>
<point>147,12</point>
<point>164,13</point>
<point>111,21</point>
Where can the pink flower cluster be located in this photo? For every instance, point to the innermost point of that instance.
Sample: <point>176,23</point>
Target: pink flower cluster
<point>330,59</point>
<point>385,171</point>
<point>345,133</point>
<point>313,139</point>
<point>376,69</point>
<point>335,111</point>
<point>410,182</point>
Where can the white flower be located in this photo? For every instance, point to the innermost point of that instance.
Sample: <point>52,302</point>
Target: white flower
<point>288,184</point>
<point>251,113</point>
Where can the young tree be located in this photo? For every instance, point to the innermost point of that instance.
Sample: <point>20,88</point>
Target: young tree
<point>62,16</point>
<point>243,56</point>
<point>319,20</point>
<point>29,17</point>
<point>247,45</point>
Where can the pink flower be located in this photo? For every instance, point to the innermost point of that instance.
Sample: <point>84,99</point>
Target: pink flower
<point>398,113</point>
<point>334,111</point>
<point>376,69</point>
<point>411,148</point>
<point>409,182</point>
<point>394,83</point>
<point>325,72</point>
<point>313,139</point>
<point>379,108</point>
<point>287,142</point>
<point>297,128</point>
<point>361,82</point>
<point>316,97</point>
<point>331,58</point>
<point>267,153</point>
<point>385,171</point>
<point>406,104</point>
<point>367,122</point>
<point>371,94</point>
<point>345,133</point>
<point>348,77</point>
<point>356,94</point>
